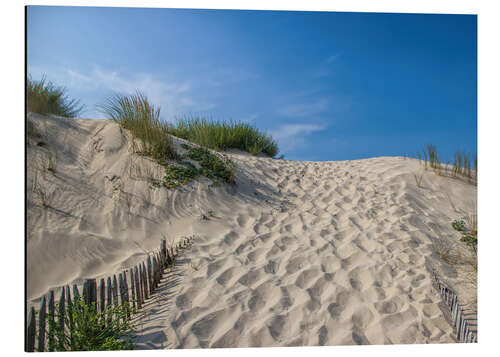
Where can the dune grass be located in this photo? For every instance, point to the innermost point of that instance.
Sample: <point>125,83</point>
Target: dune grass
<point>219,135</point>
<point>46,98</point>
<point>142,119</point>
<point>463,165</point>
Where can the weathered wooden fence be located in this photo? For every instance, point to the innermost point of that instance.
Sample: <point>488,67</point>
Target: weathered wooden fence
<point>131,289</point>
<point>466,328</point>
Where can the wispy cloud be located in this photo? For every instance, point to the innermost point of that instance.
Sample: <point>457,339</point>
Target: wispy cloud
<point>307,109</point>
<point>175,97</point>
<point>292,136</point>
<point>332,58</point>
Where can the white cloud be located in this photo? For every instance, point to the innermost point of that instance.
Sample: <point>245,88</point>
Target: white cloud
<point>298,110</point>
<point>291,136</point>
<point>175,97</point>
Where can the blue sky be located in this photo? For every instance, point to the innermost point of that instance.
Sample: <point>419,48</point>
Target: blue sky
<point>327,86</point>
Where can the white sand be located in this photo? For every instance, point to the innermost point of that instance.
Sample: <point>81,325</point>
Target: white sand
<point>298,253</point>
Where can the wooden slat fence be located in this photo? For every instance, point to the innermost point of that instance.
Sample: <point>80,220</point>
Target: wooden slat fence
<point>466,328</point>
<point>129,290</point>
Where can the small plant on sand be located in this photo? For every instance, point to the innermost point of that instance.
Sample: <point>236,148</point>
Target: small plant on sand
<point>458,225</point>
<point>51,163</point>
<point>468,230</point>
<point>40,191</point>
<point>445,251</point>
<point>46,98</point>
<point>142,119</point>
<point>89,329</point>
<point>418,179</point>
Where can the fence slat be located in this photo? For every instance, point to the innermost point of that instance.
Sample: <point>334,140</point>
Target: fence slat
<point>108,291</point>
<point>41,325</point>
<point>150,274</point>
<point>115,291</point>
<point>133,303</point>
<point>86,292</point>
<point>52,322</point>
<point>70,315</point>
<point>121,289</point>
<point>93,293</point>
<point>76,294</point>
<point>62,310</point>
<point>164,249</point>
<point>102,294</point>
<point>137,287</point>
<point>31,332</point>
<point>127,296</point>
<point>144,279</point>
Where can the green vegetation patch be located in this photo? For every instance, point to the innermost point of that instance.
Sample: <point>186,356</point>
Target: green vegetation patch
<point>176,176</point>
<point>46,98</point>
<point>468,231</point>
<point>89,329</point>
<point>219,135</point>
<point>212,166</point>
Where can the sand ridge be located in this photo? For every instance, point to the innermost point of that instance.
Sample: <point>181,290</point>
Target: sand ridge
<point>297,253</point>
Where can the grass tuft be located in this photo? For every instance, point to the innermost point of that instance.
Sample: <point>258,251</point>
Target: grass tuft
<point>46,98</point>
<point>142,119</point>
<point>88,329</point>
<point>220,135</point>
<point>463,165</point>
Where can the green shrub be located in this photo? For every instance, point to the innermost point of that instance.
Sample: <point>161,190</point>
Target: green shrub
<point>142,119</point>
<point>88,329</point>
<point>219,135</point>
<point>45,98</point>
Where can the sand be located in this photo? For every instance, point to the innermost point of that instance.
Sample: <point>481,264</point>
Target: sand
<point>297,253</point>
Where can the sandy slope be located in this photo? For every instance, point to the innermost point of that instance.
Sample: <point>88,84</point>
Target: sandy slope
<point>298,253</point>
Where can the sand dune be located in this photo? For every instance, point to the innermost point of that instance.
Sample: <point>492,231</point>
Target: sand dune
<point>297,253</point>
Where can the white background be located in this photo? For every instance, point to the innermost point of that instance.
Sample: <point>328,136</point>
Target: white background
<point>12,59</point>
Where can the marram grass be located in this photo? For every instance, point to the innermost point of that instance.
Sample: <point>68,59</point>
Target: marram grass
<point>46,98</point>
<point>220,135</point>
<point>142,119</point>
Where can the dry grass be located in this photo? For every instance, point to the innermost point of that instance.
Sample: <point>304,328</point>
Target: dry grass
<point>463,165</point>
<point>418,179</point>
<point>446,251</point>
<point>41,192</point>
